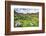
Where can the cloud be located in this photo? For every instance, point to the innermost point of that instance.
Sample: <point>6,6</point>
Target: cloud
<point>26,10</point>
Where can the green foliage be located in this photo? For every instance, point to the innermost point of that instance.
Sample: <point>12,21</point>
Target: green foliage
<point>27,20</point>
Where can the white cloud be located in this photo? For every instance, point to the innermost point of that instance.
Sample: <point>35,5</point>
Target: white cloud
<point>26,10</point>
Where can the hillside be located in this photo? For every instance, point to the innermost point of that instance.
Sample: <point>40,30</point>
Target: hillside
<point>26,20</point>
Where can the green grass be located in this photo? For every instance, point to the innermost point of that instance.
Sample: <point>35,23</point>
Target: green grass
<point>27,20</point>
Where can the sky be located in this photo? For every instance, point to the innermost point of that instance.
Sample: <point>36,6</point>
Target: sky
<point>26,10</point>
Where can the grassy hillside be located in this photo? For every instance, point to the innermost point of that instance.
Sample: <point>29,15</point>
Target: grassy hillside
<point>26,20</point>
